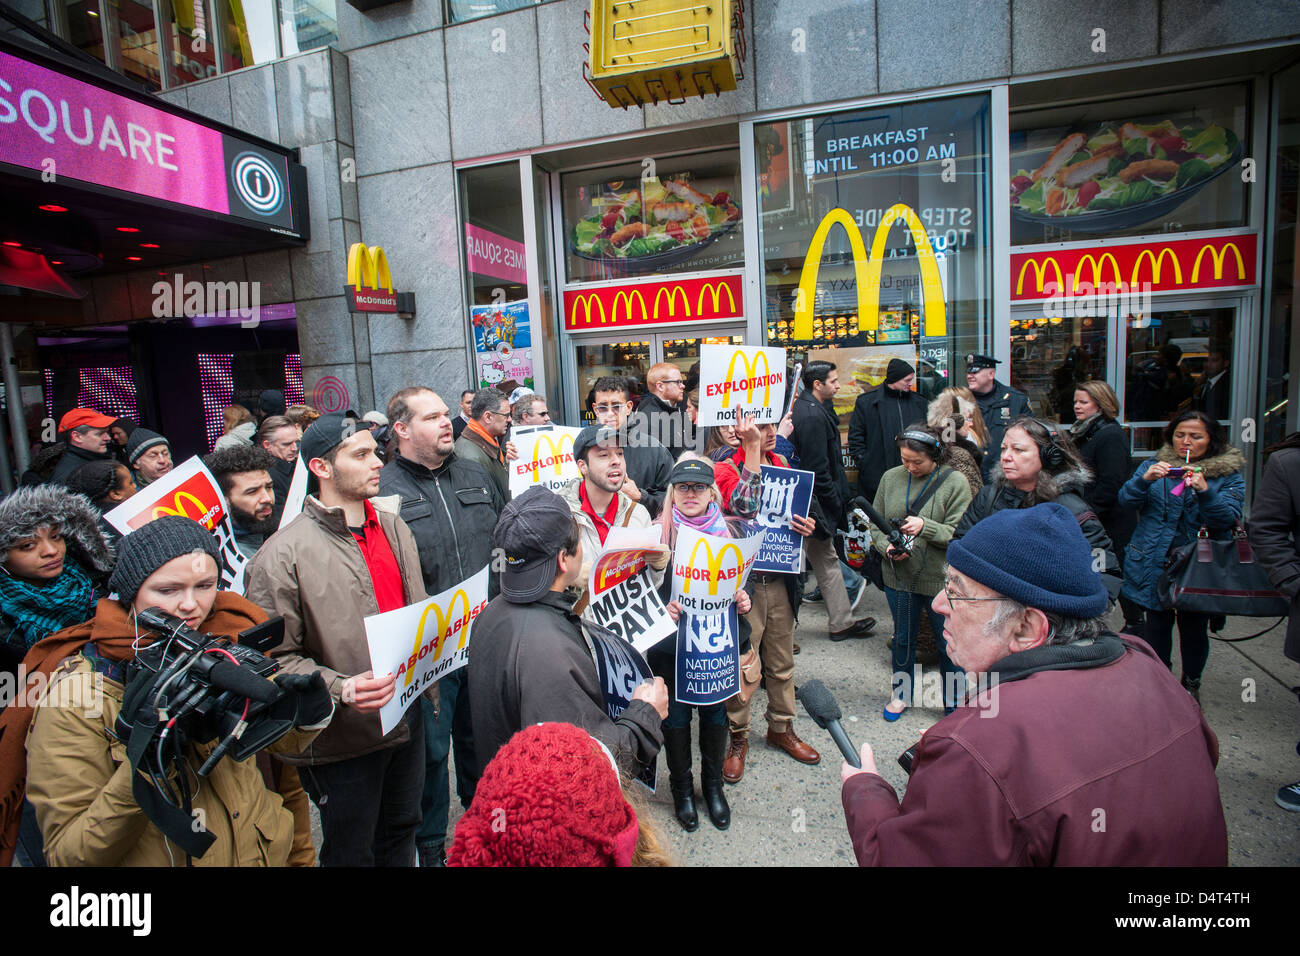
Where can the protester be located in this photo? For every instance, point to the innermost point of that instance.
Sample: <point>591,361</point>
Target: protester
<point>84,432</point>
<point>484,439</point>
<point>648,461</point>
<point>1275,535</point>
<point>531,658</point>
<point>239,427</point>
<point>720,442</point>
<point>662,409</point>
<point>999,404</point>
<point>451,506</point>
<point>928,514</point>
<point>343,559</point>
<point>301,416</point>
<point>1211,496</point>
<point>461,418</point>
<point>106,484</point>
<point>817,438</point>
<point>693,404</point>
<point>270,403</point>
<point>119,434</point>
<point>563,805</point>
<point>530,410</point>
<point>75,771</point>
<point>774,606</point>
<point>880,416</point>
<point>1093,756</point>
<point>244,474</point>
<point>279,437</point>
<point>149,455</point>
<point>693,502</point>
<point>957,420</point>
<point>44,461</point>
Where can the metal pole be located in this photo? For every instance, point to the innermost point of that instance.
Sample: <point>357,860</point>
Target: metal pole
<point>14,398</point>
<point>6,472</point>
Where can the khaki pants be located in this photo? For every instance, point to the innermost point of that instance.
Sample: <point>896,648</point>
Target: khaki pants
<point>771,620</point>
<point>826,565</point>
<point>283,779</point>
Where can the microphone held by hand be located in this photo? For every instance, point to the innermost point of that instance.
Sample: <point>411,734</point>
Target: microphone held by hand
<point>825,712</point>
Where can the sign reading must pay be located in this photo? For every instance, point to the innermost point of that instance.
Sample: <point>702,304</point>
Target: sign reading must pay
<point>740,378</point>
<point>421,643</point>
<point>622,594</point>
<point>708,571</point>
<point>545,458</point>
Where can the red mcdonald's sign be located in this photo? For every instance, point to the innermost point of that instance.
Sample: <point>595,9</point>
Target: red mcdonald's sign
<point>654,303</point>
<point>1175,265</point>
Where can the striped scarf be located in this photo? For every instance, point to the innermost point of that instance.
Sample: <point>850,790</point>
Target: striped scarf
<point>35,612</point>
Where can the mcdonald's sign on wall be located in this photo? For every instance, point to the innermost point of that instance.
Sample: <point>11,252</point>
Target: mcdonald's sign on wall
<point>654,303</point>
<point>1177,265</point>
<point>370,283</point>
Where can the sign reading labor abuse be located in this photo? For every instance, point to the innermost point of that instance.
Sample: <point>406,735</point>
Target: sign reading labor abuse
<point>708,657</point>
<point>545,458</point>
<point>741,378</point>
<point>421,643</point>
<point>621,593</point>
<point>708,570</point>
<point>786,492</point>
<point>188,490</point>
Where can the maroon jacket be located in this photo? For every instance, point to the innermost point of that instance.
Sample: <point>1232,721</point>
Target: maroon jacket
<point>1110,766</point>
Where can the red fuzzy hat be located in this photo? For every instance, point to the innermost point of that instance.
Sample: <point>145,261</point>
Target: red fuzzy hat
<point>550,797</point>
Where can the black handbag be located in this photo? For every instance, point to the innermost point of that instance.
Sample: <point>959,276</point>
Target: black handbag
<point>1211,576</point>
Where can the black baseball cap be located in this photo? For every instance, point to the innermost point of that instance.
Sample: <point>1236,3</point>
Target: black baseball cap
<point>531,532</point>
<point>975,362</point>
<point>692,471</point>
<point>591,436</point>
<point>326,432</point>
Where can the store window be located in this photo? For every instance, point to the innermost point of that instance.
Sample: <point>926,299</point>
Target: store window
<point>458,11</point>
<point>660,215</point>
<point>1282,352</point>
<point>1128,167</point>
<point>1052,354</point>
<point>307,25</point>
<point>248,33</point>
<point>191,42</point>
<point>85,31</point>
<point>134,32</point>
<point>847,200</point>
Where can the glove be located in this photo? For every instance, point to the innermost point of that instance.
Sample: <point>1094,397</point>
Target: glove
<point>658,559</point>
<point>306,699</point>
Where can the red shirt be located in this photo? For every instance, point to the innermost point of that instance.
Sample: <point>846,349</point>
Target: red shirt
<point>385,575</point>
<point>602,522</point>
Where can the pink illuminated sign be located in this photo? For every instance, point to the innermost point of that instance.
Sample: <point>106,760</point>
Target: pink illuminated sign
<point>492,255</point>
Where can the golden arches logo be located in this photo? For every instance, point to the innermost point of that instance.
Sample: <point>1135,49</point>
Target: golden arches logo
<point>715,289</point>
<point>586,302</point>
<point>714,565</point>
<point>1156,261</point>
<point>179,501</point>
<point>626,297</point>
<point>556,449</point>
<point>1219,256</point>
<point>751,378</point>
<point>867,271</point>
<point>368,267</point>
<point>1040,270</point>
<point>672,292</point>
<point>444,624</point>
<point>1097,269</point>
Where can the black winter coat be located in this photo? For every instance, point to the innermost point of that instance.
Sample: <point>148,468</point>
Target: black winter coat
<point>999,408</point>
<point>878,417</point>
<point>1275,533</point>
<point>649,465</point>
<point>1104,448</point>
<point>816,435</point>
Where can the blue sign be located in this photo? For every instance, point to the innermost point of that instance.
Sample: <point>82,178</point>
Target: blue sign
<point>708,657</point>
<point>785,492</point>
<point>620,669</point>
<point>503,324</point>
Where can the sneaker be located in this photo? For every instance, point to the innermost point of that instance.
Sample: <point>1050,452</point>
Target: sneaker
<point>856,597</point>
<point>1288,798</point>
<point>813,597</point>
<point>854,594</point>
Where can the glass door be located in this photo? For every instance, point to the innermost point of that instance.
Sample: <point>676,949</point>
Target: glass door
<point>1050,356</point>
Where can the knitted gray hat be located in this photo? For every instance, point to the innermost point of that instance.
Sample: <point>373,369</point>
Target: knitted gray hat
<point>141,441</point>
<point>145,550</point>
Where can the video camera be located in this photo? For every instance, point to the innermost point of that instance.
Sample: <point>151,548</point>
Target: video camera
<point>865,515</point>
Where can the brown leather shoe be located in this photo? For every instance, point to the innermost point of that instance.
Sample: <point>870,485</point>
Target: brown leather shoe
<point>792,745</point>
<point>733,767</point>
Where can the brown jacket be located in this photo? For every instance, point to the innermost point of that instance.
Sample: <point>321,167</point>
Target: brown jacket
<point>472,446</point>
<point>312,574</point>
<point>79,778</point>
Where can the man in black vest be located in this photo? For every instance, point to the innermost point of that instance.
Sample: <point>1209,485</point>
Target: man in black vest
<point>999,404</point>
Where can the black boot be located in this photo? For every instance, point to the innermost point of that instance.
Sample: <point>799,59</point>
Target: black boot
<point>1193,686</point>
<point>677,749</point>
<point>713,751</point>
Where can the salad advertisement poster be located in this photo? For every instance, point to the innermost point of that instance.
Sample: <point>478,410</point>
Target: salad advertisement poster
<point>502,345</point>
<point>1133,170</point>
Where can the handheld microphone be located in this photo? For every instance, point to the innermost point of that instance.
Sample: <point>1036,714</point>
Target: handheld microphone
<point>897,541</point>
<point>825,712</point>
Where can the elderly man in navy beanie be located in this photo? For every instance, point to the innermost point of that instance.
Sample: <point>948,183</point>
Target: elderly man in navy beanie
<point>1075,747</point>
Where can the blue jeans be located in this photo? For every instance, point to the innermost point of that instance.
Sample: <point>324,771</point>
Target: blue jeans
<point>451,726</point>
<point>679,715</point>
<point>907,609</point>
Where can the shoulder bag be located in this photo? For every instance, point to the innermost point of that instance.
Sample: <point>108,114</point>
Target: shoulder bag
<point>1211,576</point>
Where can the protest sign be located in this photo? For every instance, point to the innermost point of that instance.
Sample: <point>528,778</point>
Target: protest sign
<point>545,458</point>
<point>785,492</point>
<point>620,670</point>
<point>621,593</point>
<point>709,570</point>
<point>708,657</point>
<point>421,643</point>
<point>736,377</point>
<point>188,490</point>
<point>297,495</point>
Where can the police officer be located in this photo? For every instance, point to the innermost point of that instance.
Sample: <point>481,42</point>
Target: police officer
<point>999,404</point>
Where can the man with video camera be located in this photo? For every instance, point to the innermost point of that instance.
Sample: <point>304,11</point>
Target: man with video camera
<point>79,776</point>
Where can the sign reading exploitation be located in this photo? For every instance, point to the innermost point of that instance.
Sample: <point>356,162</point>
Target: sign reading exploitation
<point>654,303</point>
<point>545,458</point>
<point>785,492</point>
<point>708,657</point>
<point>421,643</point>
<point>622,594</point>
<point>736,378</point>
<point>708,571</point>
<point>188,490</point>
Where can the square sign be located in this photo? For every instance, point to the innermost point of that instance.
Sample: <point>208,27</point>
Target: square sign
<point>736,378</point>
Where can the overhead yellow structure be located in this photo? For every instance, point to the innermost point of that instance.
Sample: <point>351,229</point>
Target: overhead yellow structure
<point>662,51</point>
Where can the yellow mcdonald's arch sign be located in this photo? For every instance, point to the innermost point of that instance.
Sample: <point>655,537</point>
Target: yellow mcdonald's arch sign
<point>586,302</point>
<point>444,624</point>
<point>627,299</point>
<point>201,513</point>
<point>556,449</point>
<point>715,289</point>
<point>751,378</point>
<point>867,271</point>
<point>1040,270</point>
<point>714,565</point>
<point>1218,256</point>
<point>1097,270</point>
<point>673,291</point>
<point>368,267</point>
<point>1156,261</point>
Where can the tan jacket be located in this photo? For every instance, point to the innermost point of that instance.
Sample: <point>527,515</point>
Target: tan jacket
<point>312,574</point>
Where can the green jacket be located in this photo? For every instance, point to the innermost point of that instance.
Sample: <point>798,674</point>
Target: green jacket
<point>922,572</point>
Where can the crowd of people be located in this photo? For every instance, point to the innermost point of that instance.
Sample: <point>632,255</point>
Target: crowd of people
<point>1010,544</point>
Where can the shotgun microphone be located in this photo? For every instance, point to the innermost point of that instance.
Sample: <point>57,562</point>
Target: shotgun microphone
<point>825,712</point>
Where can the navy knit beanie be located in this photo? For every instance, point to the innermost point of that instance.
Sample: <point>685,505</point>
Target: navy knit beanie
<point>1037,556</point>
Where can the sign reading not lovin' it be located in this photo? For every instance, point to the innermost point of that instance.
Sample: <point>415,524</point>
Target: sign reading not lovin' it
<point>545,458</point>
<point>736,379</point>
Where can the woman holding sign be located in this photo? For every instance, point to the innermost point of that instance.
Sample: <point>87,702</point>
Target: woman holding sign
<point>692,501</point>
<point>924,499</point>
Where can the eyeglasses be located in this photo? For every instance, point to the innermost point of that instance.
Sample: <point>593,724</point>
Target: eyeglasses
<point>674,381</point>
<point>953,599</point>
<point>693,488</point>
<point>606,409</point>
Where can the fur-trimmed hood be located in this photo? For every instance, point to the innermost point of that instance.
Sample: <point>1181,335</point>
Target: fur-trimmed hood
<point>29,509</point>
<point>1227,462</point>
<point>1051,487</point>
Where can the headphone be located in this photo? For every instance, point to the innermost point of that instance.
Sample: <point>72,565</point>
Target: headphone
<point>925,438</point>
<point>1050,453</point>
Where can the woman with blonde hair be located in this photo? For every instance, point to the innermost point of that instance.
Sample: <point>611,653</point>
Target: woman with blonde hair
<point>954,417</point>
<point>240,426</point>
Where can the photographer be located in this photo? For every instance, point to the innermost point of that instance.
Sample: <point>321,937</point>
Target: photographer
<point>78,776</point>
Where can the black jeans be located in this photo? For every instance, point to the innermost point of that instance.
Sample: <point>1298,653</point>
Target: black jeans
<point>450,727</point>
<point>370,806</point>
<point>1193,638</point>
